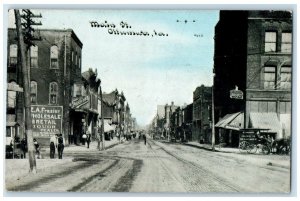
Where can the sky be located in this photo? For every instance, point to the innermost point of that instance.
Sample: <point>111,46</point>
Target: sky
<point>166,65</point>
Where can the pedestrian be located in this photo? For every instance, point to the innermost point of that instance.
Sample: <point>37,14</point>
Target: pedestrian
<point>37,148</point>
<point>84,138</point>
<point>88,140</point>
<point>145,139</point>
<point>60,146</point>
<point>53,145</point>
<point>24,147</point>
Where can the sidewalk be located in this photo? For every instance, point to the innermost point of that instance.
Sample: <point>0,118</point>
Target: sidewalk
<point>282,161</point>
<point>72,148</point>
<point>45,164</point>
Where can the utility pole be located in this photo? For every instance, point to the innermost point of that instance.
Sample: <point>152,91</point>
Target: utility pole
<point>102,120</point>
<point>27,39</point>
<point>213,120</point>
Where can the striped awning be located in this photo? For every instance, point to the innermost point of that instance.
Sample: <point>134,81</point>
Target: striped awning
<point>231,121</point>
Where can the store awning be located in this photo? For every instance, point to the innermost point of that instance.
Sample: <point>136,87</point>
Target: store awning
<point>231,121</point>
<point>237,122</point>
<point>265,121</point>
<point>108,127</point>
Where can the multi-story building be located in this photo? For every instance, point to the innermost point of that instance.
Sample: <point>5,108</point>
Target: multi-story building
<point>55,71</point>
<point>253,51</point>
<point>169,109</point>
<point>202,97</point>
<point>187,124</point>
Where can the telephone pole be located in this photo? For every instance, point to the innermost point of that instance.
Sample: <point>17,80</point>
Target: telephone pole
<point>102,121</point>
<point>25,41</point>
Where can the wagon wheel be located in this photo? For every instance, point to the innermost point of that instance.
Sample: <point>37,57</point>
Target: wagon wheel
<point>243,146</point>
<point>265,149</point>
<point>251,148</point>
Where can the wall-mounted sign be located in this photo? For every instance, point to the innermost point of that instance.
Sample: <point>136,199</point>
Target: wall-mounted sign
<point>46,120</point>
<point>236,94</point>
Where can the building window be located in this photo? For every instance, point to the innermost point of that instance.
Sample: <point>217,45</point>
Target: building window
<point>53,92</point>
<point>285,77</point>
<point>72,56</point>
<point>79,90</point>
<point>286,42</point>
<point>75,58</point>
<point>79,60</point>
<point>54,57</point>
<point>270,41</point>
<point>11,97</point>
<point>33,92</point>
<point>13,55</point>
<point>34,56</point>
<point>269,77</point>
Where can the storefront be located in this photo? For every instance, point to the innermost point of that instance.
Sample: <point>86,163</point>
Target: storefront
<point>229,129</point>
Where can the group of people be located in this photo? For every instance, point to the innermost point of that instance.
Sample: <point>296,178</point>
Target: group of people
<point>57,142</point>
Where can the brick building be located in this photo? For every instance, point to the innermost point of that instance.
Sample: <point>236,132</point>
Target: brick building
<point>253,51</point>
<point>55,71</point>
<point>201,131</point>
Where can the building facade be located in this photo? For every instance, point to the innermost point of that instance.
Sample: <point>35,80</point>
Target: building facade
<point>55,68</point>
<point>253,51</point>
<point>202,97</point>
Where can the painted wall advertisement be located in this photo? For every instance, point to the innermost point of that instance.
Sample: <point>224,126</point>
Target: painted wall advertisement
<point>46,120</point>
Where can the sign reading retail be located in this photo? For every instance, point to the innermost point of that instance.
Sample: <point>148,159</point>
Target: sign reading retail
<point>236,93</point>
<point>46,120</point>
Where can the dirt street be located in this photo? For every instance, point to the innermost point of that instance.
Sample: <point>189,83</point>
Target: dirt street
<point>158,167</point>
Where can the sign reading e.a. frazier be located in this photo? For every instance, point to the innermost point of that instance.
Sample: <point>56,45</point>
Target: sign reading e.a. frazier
<point>236,94</point>
<point>46,120</point>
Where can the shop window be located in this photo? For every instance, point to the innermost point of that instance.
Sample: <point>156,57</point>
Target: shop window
<point>33,92</point>
<point>286,42</point>
<point>34,56</point>
<point>54,57</point>
<point>285,77</point>
<point>53,93</point>
<point>285,107</point>
<point>269,77</point>
<point>13,55</point>
<point>270,41</point>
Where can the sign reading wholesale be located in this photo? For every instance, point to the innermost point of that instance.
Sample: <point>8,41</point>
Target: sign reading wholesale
<point>46,120</point>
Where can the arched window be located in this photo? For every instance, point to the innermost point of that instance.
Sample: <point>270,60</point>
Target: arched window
<point>53,92</point>
<point>269,77</point>
<point>33,92</point>
<point>54,57</point>
<point>13,55</point>
<point>34,56</point>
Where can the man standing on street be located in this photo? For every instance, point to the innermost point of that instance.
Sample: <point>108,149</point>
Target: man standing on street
<point>145,139</point>
<point>88,140</point>
<point>60,146</point>
<point>53,145</point>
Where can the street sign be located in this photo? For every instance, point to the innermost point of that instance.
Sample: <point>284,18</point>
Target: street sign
<point>236,94</point>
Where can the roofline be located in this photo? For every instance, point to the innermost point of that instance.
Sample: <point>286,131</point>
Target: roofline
<point>73,35</point>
